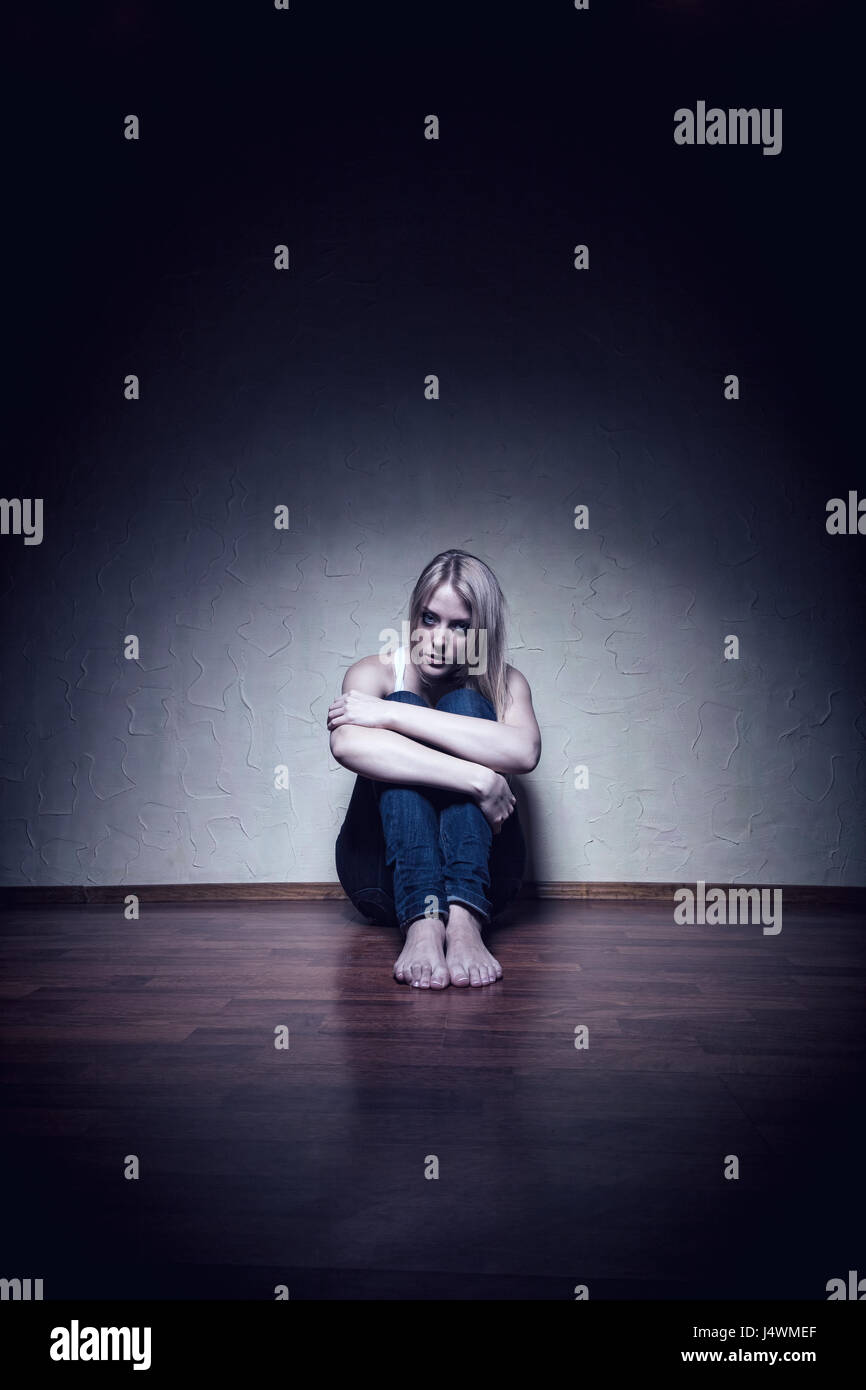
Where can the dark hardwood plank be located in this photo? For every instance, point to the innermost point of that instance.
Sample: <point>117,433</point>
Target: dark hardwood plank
<point>557,1165</point>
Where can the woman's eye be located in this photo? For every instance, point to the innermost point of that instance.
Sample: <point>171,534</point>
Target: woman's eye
<point>464,627</point>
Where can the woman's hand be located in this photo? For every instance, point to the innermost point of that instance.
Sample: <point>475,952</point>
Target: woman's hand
<point>495,799</point>
<point>355,707</point>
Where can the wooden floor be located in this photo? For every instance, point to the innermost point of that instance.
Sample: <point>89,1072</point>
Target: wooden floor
<point>305,1167</point>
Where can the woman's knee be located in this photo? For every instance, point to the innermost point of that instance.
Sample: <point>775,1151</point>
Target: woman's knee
<point>467,701</point>
<point>406,697</point>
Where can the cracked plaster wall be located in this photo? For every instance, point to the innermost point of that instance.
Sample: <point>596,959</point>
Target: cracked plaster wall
<point>706,516</point>
<point>162,770</point>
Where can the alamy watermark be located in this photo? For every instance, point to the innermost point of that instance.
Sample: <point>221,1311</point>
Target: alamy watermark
<point>77,1343</point>
<point>464,648</point>
<point>21,1290</point>
<point>735,126</point>
<point>846,518</point>
<point>729,907</point>
<point>22,516</point>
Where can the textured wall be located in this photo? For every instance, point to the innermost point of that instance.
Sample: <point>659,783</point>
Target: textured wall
<point>306,387</point>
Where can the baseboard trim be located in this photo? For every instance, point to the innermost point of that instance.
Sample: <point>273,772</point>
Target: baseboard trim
<point>16,896</point>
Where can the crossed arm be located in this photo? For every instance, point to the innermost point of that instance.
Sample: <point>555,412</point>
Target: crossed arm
<point>513,745</point>
<point>388,740</point>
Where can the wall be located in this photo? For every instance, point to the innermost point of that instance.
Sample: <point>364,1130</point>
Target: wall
<point>306,387</point>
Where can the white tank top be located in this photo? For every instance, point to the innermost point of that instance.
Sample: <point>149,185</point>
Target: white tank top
<point>399,667</point>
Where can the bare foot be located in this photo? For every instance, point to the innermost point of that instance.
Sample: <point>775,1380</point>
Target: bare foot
<point>468,959</point>
<point>421,962</point>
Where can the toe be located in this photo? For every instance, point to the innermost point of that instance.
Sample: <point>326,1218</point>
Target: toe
<point>459,973</point>
<point>426,972</point>
<point>439,978</point>
<point>474,975</point>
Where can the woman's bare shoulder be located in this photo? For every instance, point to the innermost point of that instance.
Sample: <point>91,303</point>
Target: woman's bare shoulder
<point>372,675</point>
<point>518,696</point>
<point>516,681</point>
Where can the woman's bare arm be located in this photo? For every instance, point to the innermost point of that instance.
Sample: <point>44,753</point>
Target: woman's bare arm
<point>512,744</point>
<point>386,756</point>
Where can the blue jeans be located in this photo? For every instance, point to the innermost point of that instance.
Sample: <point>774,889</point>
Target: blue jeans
<point>407,851</point>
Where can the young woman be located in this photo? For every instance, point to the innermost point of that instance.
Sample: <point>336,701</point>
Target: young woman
<point>432,842</point>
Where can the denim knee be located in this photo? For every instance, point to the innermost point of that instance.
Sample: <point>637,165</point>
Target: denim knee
<point>406,697</point>
<point>467,701</point>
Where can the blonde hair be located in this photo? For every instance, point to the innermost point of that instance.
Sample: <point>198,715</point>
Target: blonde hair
<point>479,588</point>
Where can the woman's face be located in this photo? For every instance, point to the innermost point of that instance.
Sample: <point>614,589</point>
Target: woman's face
<point>435,651</point>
